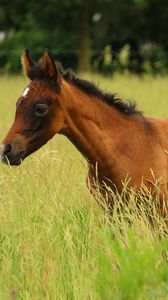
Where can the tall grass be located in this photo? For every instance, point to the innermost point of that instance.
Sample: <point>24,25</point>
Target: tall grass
<point>55,240</point>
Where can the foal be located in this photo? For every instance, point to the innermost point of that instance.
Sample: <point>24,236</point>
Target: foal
<point>117,141</point>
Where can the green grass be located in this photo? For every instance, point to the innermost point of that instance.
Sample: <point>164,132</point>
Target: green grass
<point>55,240</point>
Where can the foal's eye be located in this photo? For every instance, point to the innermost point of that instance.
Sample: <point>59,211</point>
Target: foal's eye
<point>41,109</point>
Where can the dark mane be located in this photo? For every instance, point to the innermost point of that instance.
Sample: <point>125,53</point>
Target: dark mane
<point>126,107</point>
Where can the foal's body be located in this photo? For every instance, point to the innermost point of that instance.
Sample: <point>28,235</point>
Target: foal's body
<point>117,145</point>
<point>117,141</point>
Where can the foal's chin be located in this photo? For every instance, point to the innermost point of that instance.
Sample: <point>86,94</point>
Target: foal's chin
<point>12,161</point>
<point>17,162</point>
<point>17,159</point>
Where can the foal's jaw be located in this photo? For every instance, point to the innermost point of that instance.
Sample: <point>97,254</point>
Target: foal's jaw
<point>16,147</point>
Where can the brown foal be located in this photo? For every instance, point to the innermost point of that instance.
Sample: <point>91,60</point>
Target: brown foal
<point>117,141</point>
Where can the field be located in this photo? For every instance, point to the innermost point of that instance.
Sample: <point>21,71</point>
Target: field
<point>55,240</point>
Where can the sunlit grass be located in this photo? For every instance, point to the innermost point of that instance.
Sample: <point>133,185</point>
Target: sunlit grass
<point>55,240</point>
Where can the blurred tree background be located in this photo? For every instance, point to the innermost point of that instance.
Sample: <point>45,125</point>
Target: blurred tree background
<point>98,35</point>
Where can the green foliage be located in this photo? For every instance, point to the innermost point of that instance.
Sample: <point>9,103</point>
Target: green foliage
<point>38,30</point>
<point>142,3</point>
<point>64,25</point>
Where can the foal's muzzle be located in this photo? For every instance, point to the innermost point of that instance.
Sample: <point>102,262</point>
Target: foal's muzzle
<point>9,155</point>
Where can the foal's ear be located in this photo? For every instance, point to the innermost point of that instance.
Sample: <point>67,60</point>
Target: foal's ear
<point>48,66</point>
<point>27,63</point>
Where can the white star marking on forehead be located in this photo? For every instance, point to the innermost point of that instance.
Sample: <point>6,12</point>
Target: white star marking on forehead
<point>25,92</point>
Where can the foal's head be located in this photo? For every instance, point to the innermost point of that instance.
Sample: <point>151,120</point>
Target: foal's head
<point>38,110</point>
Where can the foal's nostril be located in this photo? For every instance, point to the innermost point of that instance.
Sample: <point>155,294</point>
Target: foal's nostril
<point>8,150</point>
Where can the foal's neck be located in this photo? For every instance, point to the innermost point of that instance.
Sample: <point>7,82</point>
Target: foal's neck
<point>92,125</point>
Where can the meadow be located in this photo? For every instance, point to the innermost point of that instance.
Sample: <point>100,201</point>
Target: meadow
<point>55,240</point>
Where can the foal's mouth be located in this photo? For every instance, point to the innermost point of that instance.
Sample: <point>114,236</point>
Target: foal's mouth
<point>13,160</point>
<point>11,153</point>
